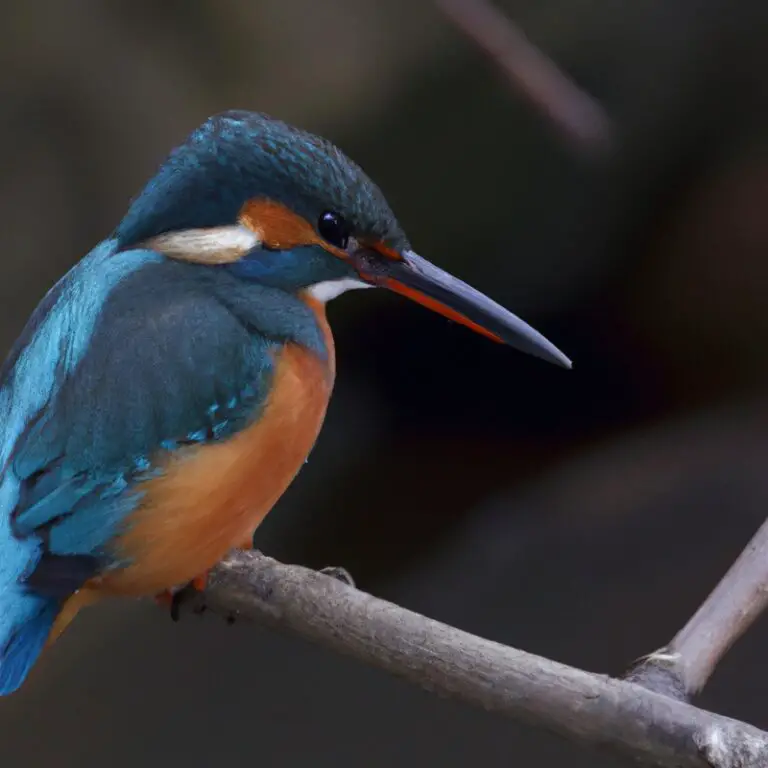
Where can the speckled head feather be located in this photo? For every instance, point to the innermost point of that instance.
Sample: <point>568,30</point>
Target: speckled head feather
<point>238,156</point>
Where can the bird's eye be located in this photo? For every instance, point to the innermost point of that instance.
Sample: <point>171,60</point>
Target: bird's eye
<point>333,228</point>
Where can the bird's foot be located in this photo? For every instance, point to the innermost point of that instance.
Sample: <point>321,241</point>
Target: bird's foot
<point>188,594</point>
<point>192,593</point>
<point>340,574</point>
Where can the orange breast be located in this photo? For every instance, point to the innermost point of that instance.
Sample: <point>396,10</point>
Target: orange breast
<point>213,498</point>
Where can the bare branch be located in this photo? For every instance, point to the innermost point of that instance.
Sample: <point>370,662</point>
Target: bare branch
<point>576,114</point>
<point>592,709</point>
<point>684,666</point>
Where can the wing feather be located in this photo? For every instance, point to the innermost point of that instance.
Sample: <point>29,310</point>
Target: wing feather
<point>103,385</point>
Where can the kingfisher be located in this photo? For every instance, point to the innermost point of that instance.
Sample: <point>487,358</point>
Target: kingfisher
<point>167,390</point>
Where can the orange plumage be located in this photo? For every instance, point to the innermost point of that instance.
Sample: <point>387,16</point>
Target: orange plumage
<point>211,498</point>
<point>280,228</point>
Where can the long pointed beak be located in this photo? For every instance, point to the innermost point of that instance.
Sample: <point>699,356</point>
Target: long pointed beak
<point>414,277</point>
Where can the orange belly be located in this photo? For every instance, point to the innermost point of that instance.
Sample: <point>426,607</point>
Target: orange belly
<point>214,497</point>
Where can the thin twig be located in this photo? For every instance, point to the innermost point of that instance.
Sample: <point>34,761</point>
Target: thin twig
<point>592,709</point>
<point>685,665</point>
<point>576,114</point>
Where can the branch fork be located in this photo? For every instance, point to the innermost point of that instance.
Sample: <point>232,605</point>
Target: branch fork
<point>646,716</point>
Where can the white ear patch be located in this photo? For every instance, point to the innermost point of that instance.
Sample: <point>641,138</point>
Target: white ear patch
<point>330,289</point>
<point>217,245</point>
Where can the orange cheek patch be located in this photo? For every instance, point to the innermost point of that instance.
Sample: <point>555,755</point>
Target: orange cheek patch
<point>280,228</point>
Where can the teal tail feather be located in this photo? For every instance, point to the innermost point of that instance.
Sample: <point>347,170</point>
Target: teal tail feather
<point>26,641</point>
<point>25,618</point>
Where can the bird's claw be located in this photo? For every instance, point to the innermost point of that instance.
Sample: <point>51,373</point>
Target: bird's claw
<point>338,573</point>
<point>187,594</point>
<point>190,594</point>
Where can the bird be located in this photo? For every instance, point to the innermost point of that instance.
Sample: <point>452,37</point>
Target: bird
<point>169,387</point>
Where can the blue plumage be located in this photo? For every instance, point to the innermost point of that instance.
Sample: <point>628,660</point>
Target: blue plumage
<point>18,607</point>
<point>26,643</point>
<point>295,269</point>
<point>237,156</point>
<point>131,355</point>
<point>51,347</point>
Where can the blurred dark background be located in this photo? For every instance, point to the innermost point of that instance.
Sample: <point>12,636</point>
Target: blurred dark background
<point>581,515</point>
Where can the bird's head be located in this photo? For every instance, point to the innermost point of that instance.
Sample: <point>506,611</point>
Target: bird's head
<point>276,205</point>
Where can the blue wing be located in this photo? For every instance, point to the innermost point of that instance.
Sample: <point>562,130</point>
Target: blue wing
<point>53,341</point>
<point>128,355</point>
